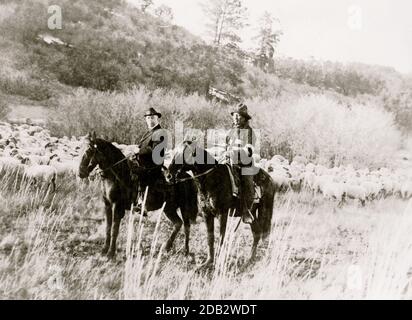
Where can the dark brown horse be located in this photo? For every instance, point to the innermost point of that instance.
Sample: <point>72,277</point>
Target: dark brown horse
<point>216,196</point>
<point>117,193</point>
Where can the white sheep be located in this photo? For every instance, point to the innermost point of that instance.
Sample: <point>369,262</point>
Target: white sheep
<point>36,160</point>
<point>10,163</point>
<point>279,158</point>
<point>65,167</point>
<point>44,173</point>
<point>334,190</point>
<point>354,191</point>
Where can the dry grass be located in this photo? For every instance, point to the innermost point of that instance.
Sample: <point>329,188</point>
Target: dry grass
<point>50,249</point>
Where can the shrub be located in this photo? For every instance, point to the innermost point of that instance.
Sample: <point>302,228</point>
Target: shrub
<point>328,132</point>
<point>4,110</point>
<point>119,116</point>
<point>315,126</point>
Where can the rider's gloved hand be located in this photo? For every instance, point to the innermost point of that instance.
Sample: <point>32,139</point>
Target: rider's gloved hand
<point>134,153</point>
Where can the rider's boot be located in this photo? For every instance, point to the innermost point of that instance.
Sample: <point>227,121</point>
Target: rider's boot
<point>138,203</point>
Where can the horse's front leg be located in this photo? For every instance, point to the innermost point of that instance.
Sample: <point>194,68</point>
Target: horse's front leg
<point>210,226</point>
<point>223,223</point>
<point>118,213</point>
<point>187,237</point>
<point>257,235</point>
<point>177,224</point>
<point>109,215</point>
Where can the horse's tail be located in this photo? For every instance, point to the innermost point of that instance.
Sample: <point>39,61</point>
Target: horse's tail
<point>267,203</point>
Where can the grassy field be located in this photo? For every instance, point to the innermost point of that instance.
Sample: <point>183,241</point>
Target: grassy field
<point>50,249</point>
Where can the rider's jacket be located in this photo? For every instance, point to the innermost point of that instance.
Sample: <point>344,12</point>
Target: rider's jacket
<point>240,143</point>
<point>152,148</point>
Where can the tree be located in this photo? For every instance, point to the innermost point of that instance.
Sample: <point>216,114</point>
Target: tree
<point>267,40</point>
<point>165,13</point>
<point>144,4</point>
<point>226,19</point>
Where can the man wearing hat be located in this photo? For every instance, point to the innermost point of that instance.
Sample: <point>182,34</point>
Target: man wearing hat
<point>240,143</point>
<point>150,153</point>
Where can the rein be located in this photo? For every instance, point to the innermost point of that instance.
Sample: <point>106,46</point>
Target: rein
<point>110,168</point>
<point>114,165</point>
<point>113,172</point>
<point>193,177</point>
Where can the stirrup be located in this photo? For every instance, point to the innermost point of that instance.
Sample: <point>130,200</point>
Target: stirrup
<point>138,209</point>
<point>249,219</point>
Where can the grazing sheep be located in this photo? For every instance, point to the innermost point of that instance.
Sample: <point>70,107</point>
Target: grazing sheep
<point>300,160</point>
<point>66,167</point>
<point>355,191</point>
<point>279,158</point>
<point>36,160</point>
<point>10,163</point>
<point>44,173</point>
<point>281,178</point>
<point>309,180</point>
<point>406,190</point>
<point>334,190</point>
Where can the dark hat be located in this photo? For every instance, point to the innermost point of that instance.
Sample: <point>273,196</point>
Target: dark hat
<point>152,112</point>
<point>242,110</point>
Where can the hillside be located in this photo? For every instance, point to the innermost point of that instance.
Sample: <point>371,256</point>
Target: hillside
<point>111,46</point>
<point>332,137</point>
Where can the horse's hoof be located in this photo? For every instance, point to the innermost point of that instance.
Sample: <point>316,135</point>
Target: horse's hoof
<point>111,255</point>
<point>208,265</point>
<point>250,262</point>
<point>167,246</point>
<point>190,257</point>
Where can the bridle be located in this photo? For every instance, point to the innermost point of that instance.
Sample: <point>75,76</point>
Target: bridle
<point>93,148</point>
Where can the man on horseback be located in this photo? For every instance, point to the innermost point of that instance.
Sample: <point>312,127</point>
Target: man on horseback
<point>149,157</point>
<point>240,143</point>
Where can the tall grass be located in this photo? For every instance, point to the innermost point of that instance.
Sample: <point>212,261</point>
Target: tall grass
<point>50,249</point>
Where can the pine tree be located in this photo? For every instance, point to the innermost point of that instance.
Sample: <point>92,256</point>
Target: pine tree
<point>267,40</point>
<point>165,13</point>
<point>145,4</point>
<point>226,19</point>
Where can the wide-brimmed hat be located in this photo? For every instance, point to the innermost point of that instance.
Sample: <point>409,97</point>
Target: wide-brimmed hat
<point>241,109</point>
<point>152,112</point>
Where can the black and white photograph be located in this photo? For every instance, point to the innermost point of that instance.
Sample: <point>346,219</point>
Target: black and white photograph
<point>205,150</point>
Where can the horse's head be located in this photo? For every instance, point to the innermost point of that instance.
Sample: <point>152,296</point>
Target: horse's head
<point>92,155</point>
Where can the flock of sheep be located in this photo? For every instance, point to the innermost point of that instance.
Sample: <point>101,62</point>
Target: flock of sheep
<point>31,150</point>
<point>341,182</point>
<point>38,155</point>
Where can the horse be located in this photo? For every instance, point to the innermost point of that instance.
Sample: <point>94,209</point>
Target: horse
<point>118,188</point>
<point>216,195</point>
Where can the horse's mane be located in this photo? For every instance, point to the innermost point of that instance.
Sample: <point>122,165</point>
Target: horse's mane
<point>112,151</point>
